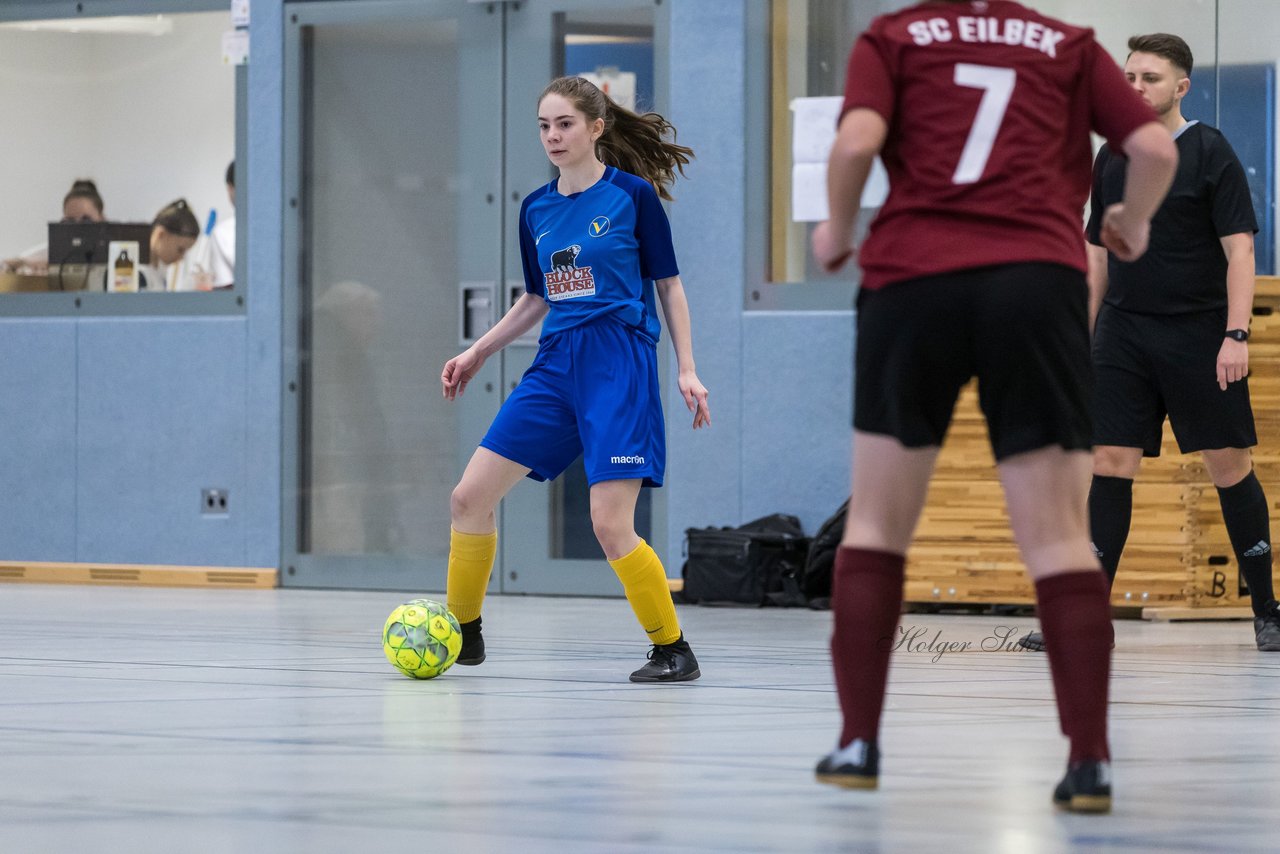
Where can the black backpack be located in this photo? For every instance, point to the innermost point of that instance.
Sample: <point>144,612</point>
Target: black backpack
<point>758,563</point>
<point>815,580</point>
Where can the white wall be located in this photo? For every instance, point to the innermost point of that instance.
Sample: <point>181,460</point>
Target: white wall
<point>1247,31</point>
<point>149,118</point>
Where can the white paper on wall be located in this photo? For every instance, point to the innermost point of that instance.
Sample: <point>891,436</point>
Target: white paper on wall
<point>239,13</point>
<point>813,132</point>
<point>813,128</point>
<point>235,47</point>
<point>809,190</point>
<point>618,85</point>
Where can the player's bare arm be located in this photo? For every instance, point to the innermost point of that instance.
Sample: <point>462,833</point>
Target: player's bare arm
<point>859,139</point>
<point>1233,358</point>
<point>522,317</point>
<point>675,308</point>
<point>1153,159</point>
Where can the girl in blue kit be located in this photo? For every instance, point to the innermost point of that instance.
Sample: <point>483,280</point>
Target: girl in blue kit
<point>595,245</point>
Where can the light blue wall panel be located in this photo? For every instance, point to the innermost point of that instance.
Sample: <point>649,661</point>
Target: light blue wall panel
<point>261,383</point>
<point>797,379</point>
<point>704,469</point>
<point>38,454</point>
<point>161,415</point>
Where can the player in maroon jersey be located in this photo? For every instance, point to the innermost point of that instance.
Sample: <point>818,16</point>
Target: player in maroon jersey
<point>974,266</point>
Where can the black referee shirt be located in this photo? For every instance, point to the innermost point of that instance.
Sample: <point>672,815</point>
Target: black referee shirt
<point>1184,268</point>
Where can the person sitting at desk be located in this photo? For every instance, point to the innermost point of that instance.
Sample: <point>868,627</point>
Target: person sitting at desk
<point>224,239</point>
<point>81,204</point>
<point>211,264</point>
<point>173,231</point>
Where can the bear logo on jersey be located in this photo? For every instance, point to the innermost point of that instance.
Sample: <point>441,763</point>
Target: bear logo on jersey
<point>566,258</point>
<point>567,280</point>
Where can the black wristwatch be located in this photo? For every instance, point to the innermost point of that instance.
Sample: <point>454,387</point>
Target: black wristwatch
<point>1238,334</point>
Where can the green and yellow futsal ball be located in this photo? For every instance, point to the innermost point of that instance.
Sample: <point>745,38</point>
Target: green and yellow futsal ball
<point>422,639</point>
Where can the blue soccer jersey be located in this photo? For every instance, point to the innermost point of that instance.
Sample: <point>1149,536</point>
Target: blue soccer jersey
<point>596,253</point>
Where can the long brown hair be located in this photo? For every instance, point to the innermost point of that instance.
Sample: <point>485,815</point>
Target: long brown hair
<point>177,218</point>
<point>633,142</point>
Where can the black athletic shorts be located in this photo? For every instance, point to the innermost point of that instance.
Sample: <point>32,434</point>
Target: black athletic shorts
<point>1150,365</point>
<point>1022,329</point>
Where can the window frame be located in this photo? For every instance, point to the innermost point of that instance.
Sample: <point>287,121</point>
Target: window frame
<point>96,304</point>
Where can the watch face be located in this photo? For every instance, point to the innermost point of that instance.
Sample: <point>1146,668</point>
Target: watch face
<point>1238,335</point>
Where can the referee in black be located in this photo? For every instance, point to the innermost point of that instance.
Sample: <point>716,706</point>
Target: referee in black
<point>1171,333</point>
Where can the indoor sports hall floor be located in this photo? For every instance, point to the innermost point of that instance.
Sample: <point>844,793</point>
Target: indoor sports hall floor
<point>149,720</point>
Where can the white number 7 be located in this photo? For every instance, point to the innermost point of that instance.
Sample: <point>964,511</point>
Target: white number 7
<point>997,86</point>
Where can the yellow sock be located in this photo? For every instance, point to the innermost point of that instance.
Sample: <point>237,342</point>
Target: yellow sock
<point>470,563</point>
<point>645,582</point>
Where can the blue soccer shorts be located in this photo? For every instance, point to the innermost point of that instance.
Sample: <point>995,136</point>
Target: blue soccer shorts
<point>591,390</point>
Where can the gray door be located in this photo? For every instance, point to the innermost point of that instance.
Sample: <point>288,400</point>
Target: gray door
<point>400,247</point>
<point>546,540</point>
<point>393,153</point>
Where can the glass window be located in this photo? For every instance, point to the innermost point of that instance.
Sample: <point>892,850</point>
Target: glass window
<point>122,131</point>
<point>1244,95</point>
<point>799,50</point>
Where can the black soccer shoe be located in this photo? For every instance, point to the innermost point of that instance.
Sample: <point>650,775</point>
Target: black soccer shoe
<point>1033,641</point>
<point>856,766</point>
<point>1266,629</point>
<point>472,652</point>
<point>1085,788</point>
<point>669,662</point>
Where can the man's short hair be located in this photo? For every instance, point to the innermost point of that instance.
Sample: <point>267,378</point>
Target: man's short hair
<point>1166,46</point>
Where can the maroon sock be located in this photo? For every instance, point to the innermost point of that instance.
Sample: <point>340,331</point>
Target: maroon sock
<point>1075,616</point>
<point>866,598</point>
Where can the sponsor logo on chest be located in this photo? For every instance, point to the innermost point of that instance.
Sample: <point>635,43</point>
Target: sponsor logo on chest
<point>567,280</point>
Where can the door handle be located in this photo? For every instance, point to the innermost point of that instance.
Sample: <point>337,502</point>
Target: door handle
<point>475,310</point>
<point>515,290</point>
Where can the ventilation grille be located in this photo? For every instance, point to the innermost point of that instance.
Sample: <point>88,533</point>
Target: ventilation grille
<point>231,578</point>
<point>144,576</point>
<point>103,574</point>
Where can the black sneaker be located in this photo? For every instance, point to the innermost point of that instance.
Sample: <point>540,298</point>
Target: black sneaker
<point>1266,629</point>
<point>670,662</point>
<point>1033,641</point>
<point>472,652</point>
<point>856,766</point>
<point>1086,787</point>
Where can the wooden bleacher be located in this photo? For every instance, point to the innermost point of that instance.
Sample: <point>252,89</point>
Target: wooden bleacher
<point>1178,561</point>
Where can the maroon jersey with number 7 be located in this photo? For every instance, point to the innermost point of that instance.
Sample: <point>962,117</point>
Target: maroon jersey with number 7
<point>989,106</point>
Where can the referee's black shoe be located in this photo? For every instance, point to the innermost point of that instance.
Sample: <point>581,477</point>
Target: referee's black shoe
<point>854,766</point>
<point>472,652</point>
<point>1266,629</point>
<point>1086,787</point>
<point>669,662</point>
<point>1033,641</point>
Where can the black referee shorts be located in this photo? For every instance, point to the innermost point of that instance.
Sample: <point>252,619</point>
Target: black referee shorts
<point>1022,329</point>
<point>1150,365</point>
